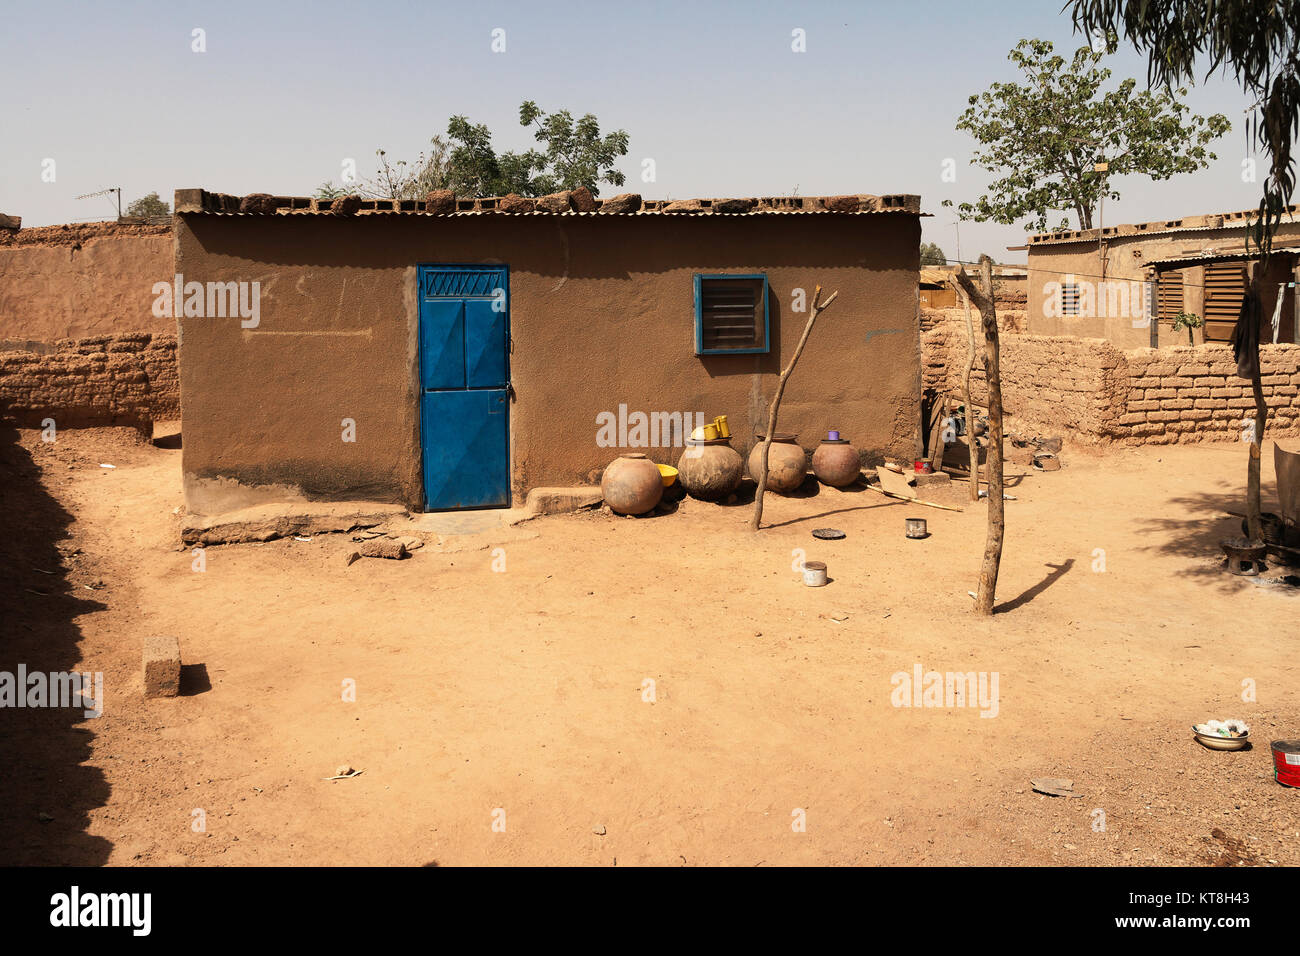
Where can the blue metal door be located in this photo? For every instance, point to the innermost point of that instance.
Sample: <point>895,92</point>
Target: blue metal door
<point>464,386</point>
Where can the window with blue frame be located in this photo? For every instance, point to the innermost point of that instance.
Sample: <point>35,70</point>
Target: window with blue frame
<point>730,314</point>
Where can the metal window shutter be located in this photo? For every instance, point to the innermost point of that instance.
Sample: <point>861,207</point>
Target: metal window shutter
<point>731,313</point>
<point>1225,287</point>
<point>1169,294</point>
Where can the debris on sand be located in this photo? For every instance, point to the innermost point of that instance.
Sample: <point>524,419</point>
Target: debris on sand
<point>379,548</point>
<point>344,773</point>
<point>1054,786</point>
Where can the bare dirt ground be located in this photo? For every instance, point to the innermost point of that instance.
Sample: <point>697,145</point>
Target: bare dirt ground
<point>520,695</point>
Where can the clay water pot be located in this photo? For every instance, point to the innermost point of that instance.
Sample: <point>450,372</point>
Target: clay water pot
<point>787,465</point>
<point>836,463</point>
<point>632,484</point>
<point>710,470</point>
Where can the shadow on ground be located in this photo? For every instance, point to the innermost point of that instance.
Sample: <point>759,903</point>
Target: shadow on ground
<point>46,791</point>
<point>1196,537</point>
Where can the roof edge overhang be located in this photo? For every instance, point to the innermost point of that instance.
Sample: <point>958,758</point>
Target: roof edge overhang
<point>203,202</point>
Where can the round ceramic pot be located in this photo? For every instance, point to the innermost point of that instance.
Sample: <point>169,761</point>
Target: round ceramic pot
<point>710,470</point>
<point>836,463</point>
<point>787,464</point>
<point>632,484</point>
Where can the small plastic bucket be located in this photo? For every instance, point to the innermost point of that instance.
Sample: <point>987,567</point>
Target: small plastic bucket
<point>814,573</point>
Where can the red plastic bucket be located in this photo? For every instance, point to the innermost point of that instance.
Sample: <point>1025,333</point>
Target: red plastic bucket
<point>1286,762</point>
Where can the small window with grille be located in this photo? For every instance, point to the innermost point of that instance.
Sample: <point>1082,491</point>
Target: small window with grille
<point>1069,298</point>
<point>730,314</point>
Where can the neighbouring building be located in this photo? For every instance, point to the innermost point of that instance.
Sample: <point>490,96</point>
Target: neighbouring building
<point>939,287</point>
<point>458,353</point>
<point>1128,284</point>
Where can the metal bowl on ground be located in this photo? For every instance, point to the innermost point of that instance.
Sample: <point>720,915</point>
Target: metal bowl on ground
<point>1217,742</point>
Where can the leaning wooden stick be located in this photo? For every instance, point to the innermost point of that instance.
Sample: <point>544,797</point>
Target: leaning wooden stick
<point>761,477</point>
<point>914,501</point>
<point>971,440</point>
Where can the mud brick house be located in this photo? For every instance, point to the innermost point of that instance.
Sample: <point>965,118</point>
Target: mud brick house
<point>457,353</point>
<point>1128,283</point>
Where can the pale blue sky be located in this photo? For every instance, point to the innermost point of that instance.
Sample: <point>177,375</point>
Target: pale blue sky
<point>711,91</point>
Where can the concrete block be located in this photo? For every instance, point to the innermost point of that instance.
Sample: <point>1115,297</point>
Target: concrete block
<point>553,501</point>
<point>162,666</point>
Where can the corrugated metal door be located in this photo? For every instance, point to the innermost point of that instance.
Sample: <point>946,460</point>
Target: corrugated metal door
<point>1225,287</point>
<point>464,386</point>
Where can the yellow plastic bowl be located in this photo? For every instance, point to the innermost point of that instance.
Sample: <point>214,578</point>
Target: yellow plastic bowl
<point>669,474</point>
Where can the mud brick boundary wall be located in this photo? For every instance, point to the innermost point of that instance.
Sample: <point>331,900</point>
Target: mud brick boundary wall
<point>71,281</point>
<point>1087,390</point>
<point>128,379</point>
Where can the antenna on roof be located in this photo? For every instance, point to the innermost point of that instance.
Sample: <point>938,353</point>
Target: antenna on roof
<point>105,192</point>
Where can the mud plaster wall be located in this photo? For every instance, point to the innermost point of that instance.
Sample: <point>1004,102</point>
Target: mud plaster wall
<point>602,314</point>
<point>127,379</point>
<point>1088,390</point>
<point>74,281</point>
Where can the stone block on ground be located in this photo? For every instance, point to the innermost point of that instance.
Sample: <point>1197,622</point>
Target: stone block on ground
<point>162,666</point>
<point>938,479</point>
<point>553,501</point>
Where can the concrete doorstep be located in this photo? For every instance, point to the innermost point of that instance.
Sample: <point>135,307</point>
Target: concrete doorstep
<point>308,518</point>
<point>267,522</point>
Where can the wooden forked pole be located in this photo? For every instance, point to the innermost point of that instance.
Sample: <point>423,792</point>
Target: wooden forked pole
<point>983,299</point>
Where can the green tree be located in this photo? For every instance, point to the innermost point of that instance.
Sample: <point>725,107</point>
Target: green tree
<point>1258,41</point>
<point>1057,139</point>
<point>575,153</point>
<point>932,255</point>
<point>148,206</point>
<point>477,170</point>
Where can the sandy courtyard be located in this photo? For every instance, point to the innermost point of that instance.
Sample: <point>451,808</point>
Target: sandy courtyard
<point>503,708</point>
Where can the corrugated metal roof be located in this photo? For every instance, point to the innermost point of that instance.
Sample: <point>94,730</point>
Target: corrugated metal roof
<point>1212,255</point>
<point>1202,223</point>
